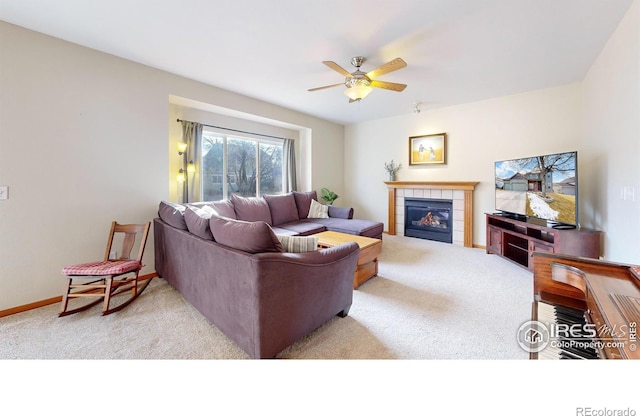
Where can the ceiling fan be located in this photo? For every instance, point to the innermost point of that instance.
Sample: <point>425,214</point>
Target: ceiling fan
<point>359,84</point>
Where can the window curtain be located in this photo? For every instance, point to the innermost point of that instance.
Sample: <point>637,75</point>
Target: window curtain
<point>289,162</point>
<point>192,136</point>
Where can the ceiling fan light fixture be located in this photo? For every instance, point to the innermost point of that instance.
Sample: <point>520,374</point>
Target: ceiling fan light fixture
<point>359,84</point>
<point>358,92</point>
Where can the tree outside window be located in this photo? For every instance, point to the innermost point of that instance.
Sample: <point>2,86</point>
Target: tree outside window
<point>246,167</point>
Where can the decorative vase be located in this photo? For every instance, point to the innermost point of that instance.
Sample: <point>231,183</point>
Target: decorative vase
<point>392,176</point>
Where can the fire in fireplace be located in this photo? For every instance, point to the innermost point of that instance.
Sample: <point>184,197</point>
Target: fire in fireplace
<point>427,218</point>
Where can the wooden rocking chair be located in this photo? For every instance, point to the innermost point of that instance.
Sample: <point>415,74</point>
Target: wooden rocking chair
<point>108,276</point>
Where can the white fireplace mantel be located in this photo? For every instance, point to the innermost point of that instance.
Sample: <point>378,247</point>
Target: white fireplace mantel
<point>461,193</point>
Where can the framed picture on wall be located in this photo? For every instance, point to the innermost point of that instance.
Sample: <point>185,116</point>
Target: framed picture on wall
<point>429,149</point>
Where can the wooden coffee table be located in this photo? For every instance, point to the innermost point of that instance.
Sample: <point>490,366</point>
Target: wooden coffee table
<point>370,248</point>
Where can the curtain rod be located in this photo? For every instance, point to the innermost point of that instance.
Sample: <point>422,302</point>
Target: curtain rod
<point>237,131</point>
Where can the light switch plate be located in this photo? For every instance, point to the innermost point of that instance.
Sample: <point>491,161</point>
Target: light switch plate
<point>4,192</point>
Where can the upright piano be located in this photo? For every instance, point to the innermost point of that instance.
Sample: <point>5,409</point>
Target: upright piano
<point>589,308</point>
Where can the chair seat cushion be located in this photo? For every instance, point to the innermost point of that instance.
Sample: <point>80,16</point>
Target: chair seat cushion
<point>102,268</point>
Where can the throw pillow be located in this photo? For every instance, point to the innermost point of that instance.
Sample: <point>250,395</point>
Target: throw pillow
<point>283,208</point>
<point>172,214</point>
<point>298,244</point>
<point>252,237</point>
<point>224,208</point>
<point>318,210</point>
<point>197,220</point>
<point>251,209</point>
<point>303,202</point>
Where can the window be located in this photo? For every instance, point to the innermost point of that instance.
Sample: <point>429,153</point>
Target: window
<point>244,166</point>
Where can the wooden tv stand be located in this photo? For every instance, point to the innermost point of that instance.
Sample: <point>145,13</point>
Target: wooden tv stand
<point>517,239</point>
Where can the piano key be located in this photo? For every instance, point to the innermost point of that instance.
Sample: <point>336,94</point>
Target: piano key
<point>563,347</point>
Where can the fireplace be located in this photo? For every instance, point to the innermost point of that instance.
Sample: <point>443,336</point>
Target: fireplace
<point>431,219</point>
<point>461,193</point>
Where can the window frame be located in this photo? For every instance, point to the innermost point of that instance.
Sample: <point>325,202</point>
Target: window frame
<point>225,162</point>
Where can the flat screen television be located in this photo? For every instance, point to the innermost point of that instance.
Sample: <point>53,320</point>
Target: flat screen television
<point>542,188</point>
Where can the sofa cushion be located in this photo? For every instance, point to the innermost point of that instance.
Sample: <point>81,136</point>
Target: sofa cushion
<point>364,228</point>
<point>283,208</point>
<point>251,209</point>
<point>224,208</point>
<point>298,244</point>
<point>252,237</point>
<point>283,231</point>
<point>318,210</point>
<point>197,220</point>
<point>303,202</point>
<point>172,214</point>
<point>303,227</point>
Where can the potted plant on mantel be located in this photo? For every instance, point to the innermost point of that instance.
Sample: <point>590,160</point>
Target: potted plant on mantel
<point>391,169</point>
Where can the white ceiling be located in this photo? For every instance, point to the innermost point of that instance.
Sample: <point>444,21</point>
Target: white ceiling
<point>457,51</point>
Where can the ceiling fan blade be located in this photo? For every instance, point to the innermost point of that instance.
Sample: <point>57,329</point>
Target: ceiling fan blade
<point>337,68</point>
<point>390,66</point>
<point>326,86</point>
<point>388,85</point>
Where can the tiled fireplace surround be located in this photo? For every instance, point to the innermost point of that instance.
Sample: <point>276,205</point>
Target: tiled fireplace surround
<point>461,193</point>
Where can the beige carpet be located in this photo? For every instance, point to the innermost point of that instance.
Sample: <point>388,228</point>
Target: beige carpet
<point>434,333</point>
<point>430,301</point>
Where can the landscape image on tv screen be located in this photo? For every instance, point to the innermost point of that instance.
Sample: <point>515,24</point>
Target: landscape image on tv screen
<point>542,187</point>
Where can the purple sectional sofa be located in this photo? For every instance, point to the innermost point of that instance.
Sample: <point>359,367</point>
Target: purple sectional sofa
<point>231,266</point>
<point>288,214</point>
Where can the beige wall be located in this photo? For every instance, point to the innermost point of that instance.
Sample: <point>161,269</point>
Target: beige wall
<point>84,140</point>
<point>612,140</point>
<point>478,134</point>
<point>599,117</point>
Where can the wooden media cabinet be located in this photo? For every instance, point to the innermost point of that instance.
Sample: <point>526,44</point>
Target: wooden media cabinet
<point>516,240</point>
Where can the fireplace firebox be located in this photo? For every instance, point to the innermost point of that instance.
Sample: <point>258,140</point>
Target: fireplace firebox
<point>430,219</point>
